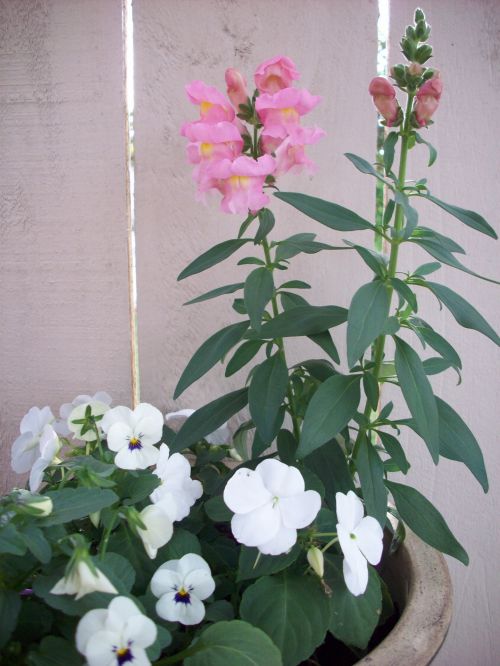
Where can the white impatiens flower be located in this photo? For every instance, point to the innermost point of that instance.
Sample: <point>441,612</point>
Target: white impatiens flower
<point>25,449</point>
<point>270,505</point>
<point>81,580</point>
<point>115,636</point>
<point>48,448</point>
<point>133,434</point>
<point>61,425</point>
<point>360,539</point>
<point>175,420</point>
<point>181,586</point>
<point>77,416</point>
<point>159,522</point>
<point>175,474</point>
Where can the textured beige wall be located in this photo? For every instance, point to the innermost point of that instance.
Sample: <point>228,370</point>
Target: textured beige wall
<point>64,325</point>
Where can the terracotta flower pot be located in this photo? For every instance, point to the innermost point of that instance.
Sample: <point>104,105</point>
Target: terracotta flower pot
<point>420,583</point>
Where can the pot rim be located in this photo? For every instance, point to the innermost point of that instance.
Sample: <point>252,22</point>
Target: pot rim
<point>427,596</point>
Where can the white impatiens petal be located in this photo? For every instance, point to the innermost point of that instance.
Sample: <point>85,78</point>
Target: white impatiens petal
<point>281,543</point>
<point>140,630</point>
<point>281,480</point>
<point>356,577</point>
<point>119,436</point>
<point>165,580</point>
<point>348,544</point>
<point>369,537</point>
<point>118,414</point>
<point>90,624</point>
<point>200,582</point>
<point>24,452</point>
<point>256,527</point>
<point>245,491</point>
<point>349,509</point>
<point>300,510</point>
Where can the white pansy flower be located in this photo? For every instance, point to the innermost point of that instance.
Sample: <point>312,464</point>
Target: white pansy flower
<point>133,434</point>
<point>175,474</point>
<point>115,636</point>
<point>61,425</point>
<point>159,521</point>
<point>360,539</point>
<point>81,580</point>
<point>270,505</point>
<point>181,586</point>
<point>48,448</point>
<point>78,413</point>
<point>25,449</point>
<point>175,420</point>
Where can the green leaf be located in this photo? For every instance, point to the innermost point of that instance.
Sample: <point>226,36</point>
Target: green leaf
<point>331,408</point>
<point>74,503</point>
<point>405,292</point>
<point>374,260</point>
<point>371,476</point>
<point>259,288</point>
<point>267,390</point>
<point>292,610</point>
<point>330,214</point>
<point>437,239</point>
<point>213,256</point>
<point>432,150</point>
<point>304,320</point>
<point>118,569</point>
<point>435,365</point>
<point>329,463</point>
<point>55,651</point>
<point>182,543</point>
<point>468,217</point>
<point>216,510</point>
<point>208,418</point>
<point>364,166</point>
<point>163,640</point>
<point>367,318</point>
<point>319,368</point>
<point>243,355</point>
<point>389,146</point>
<point>253,564</point>
<point>353,619</point>
<point>35,539</point>
<point>410,214</point>
<point>287,447</point>
<point>425,520</point>
<point>137,485</point>
<point>418,394</point>
<point>457,442</point>
<point>251,260</point>
<point>290,248</point>
<point>426,269</point>
<point>234,643</point>
<point>439,344</point>
<point>219,610</point>
<point>466,315</point>
<point>371,389</point>
<point>210,352</point>
<point>295,284</point>
<point>228,289</point>
<point>266,224</point>
<point>325,341</point>
<point>10,605</point>
<point>11,541</point>
<point>395,450</point>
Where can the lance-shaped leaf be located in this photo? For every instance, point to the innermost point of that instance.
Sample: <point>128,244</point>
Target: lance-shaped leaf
<point>371,476</point>
<point>466,315</point>
<point>266,393</point>
<point>228,289</point>
<point>325,341</point>
<point>410,214</point>
<point>439,344</point>
<point>432,150</point>
<point>266,224</point>
<point>389,146</point>
<point>330,214</point>
<point>367,319</point>
<point>211,257</point>
<point>425,520</point>
<point>330,410</point>
<point>418,394</point>
<point>457,442</point>
<point>243,355</point>
<point>329,463</point>
<point>468,217</point>
<point>304,320</point>
<point>259,288</point>
<point>374,260</point>
<point>208,418</point>
<point>291,248</point>
<point>405,292</point>
<point>210,352</point>
<point>365,167</point>
<point>395,450</point>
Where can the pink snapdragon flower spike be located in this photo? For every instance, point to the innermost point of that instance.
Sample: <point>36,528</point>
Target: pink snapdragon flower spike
<point>211,141</point>
<point>240,182</point>
<point>214,106</point>
<point>236,88</point>
<point>428,98</point>
<point>275,74</point>
<point>284,109</point>
<point>290,155</point>
<point>384,98</point>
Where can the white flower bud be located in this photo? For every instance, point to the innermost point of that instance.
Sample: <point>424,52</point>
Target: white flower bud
<point>316,561</point>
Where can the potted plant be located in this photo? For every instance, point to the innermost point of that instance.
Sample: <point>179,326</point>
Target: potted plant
<point>145,541</point>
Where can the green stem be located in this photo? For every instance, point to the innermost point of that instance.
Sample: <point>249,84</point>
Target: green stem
<point>379,346</point>
<point>281,345</point>
<point>329,544</point>
<point>105,541</point>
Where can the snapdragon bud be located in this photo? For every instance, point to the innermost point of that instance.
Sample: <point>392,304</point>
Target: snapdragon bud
<point>316,561</point>
<point>423,53</point>
<point>415,69</point>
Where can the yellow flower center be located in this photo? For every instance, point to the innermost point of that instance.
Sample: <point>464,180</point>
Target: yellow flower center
<point>205,107</point>
<point>206,149</point>
<point>239,181</point>
<point>289,113</point>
